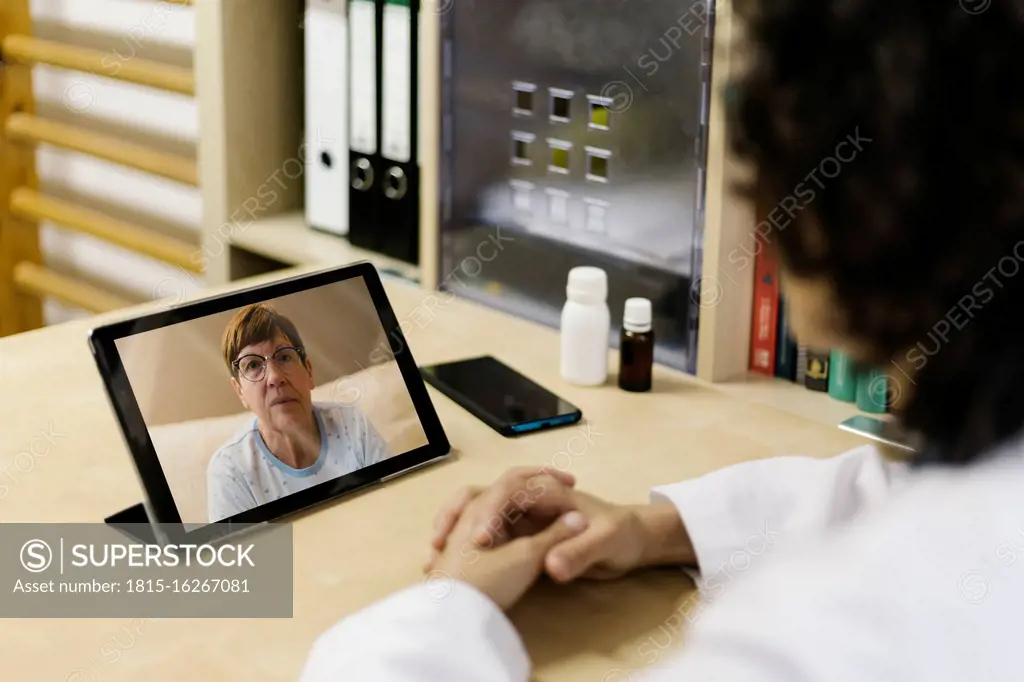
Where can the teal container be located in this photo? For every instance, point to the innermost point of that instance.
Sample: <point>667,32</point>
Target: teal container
<point>842,377</point>
<point>872,391</point>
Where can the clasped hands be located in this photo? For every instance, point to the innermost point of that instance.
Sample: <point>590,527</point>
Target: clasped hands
<point>501,538</point>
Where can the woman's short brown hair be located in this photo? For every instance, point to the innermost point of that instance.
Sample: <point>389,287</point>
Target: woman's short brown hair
<point>253,324</point>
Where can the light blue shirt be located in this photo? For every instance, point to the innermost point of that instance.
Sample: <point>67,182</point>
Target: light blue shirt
<point>243,473</point>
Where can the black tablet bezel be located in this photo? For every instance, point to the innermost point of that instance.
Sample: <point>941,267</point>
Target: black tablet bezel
<point>162,509</point>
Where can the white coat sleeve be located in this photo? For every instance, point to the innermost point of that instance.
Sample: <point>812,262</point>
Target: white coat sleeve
<point>441,632</point>
<point>746,508</point>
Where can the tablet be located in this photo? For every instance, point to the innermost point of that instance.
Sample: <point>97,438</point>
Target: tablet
<point>246,407</point>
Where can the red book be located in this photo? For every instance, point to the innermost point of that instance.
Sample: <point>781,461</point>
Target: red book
<point>766,312</point>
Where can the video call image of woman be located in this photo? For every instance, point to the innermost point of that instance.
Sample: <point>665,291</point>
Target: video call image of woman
<point>292,443</point>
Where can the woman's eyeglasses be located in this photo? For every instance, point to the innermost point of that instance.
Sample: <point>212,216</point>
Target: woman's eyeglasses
<point>253,367</point>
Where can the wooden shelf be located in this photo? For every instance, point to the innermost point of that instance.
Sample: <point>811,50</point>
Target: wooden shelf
<point>792,398</point>
<point>288,239</point>
<point>252,123</point>
<point>252,127</point>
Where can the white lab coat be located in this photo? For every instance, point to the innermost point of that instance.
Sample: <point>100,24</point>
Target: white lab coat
<point>915,579</point>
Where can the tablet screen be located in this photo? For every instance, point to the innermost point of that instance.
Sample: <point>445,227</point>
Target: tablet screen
<point>252,404</point>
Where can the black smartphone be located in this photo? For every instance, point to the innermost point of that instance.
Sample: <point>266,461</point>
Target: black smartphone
<point>500,396</point>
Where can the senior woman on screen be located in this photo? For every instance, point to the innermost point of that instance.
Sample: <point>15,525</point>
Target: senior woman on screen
<point>293,443</point>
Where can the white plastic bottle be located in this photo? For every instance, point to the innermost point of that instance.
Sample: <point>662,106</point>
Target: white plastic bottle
<point>585,327</point>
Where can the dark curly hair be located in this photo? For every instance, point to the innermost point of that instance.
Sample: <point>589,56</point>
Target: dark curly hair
<point>922,233</point>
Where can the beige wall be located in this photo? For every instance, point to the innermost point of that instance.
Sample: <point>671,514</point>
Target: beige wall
<point>178,374</point>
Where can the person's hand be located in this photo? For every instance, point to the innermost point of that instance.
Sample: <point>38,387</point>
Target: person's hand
<point>617,539</point>
<point>501,571</point>
<point>521,502</point>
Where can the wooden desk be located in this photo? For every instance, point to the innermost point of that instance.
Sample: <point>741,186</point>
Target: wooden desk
<point>360,549</point>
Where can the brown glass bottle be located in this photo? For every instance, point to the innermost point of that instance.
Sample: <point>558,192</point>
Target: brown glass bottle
<point>636,346</point>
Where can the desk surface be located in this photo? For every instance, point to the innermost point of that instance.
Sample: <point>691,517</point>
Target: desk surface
<point>353,552</point>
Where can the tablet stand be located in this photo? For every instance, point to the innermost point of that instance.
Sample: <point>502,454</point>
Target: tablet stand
<point>133,522</point>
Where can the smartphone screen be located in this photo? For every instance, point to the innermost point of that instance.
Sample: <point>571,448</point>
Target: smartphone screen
<point>506,397</point>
